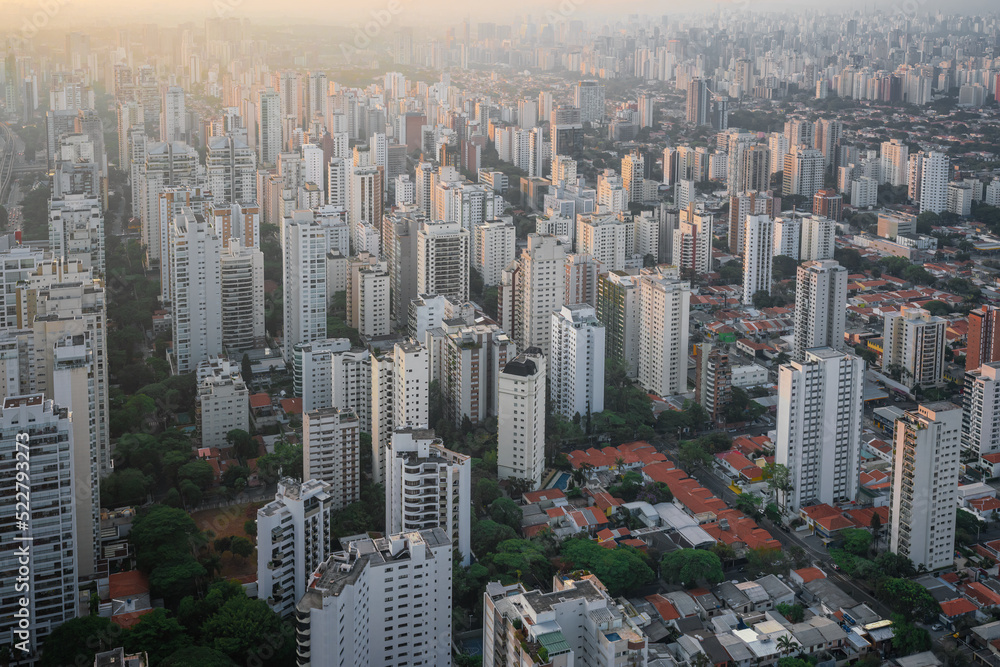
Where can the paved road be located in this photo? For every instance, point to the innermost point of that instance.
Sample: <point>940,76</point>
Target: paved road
<point>720,489</point>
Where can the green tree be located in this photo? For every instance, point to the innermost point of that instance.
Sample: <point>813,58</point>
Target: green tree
<point>203,656</point>
<point>795,613</point>
<point>79,639</point>
<point>250,527</point>
<point>158,634</point>
<point>856,541</point>
<point>690,566</point>
<point>126,486</point>
<point>908,598</point>
<point>239,628</point>
<point>198,472</point>
<point>487,535</point>
<point>622,569</point>
<point>750,504</point>
<point>506,511</point>
<point>761,561</point>
<point>241,546</point>
<point>162,540</point>
<point>692,454</point>
<point>487,490</point>
<point>286,461</point>
<point>242,443</point>
<point>908,638</point>
<point>515,559</point>
<point>894,565</point>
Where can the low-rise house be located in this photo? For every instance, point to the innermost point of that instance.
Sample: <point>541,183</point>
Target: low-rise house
<point>778,592</point>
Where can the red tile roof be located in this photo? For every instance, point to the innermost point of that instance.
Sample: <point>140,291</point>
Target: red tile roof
<point>808,574</point>
<point>127,584</point>
<point>292,406</point>
<point>260,401</point>
<point>544,494</point>
<point>663,607</point>
<point>957,607</point>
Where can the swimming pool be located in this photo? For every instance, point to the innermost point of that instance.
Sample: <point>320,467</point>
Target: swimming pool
<point>561,481</point>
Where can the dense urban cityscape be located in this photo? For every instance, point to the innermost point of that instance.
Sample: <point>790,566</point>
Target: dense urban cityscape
<point>550,336</point>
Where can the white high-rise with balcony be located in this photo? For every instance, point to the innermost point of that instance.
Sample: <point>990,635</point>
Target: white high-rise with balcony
<point>195,291</point>
<point>913,343</point>
<point>331,452</point>
<point>521,423</point>
<point>304,247</point>
<point>820,401</point>
<point>926,459</point>
<point>242,280</point>
<point>576,362</point>
<point>427,485</point>
<point>379,603</point>
<point>293,538</point>
<point>400,395</point>
<point>443,260</point>
<point>981,416</point>
<point>758,255</point>
<point>664,309</point>
<point>820,306</point>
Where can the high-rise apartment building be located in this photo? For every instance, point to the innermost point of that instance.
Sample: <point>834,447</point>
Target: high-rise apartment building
<point>531,290</point>
<point>576,362</point>
<point>165,165</point>
<point>803,171</point>
<point>894,162</point>
<point>713,384</point>
<point>981,414</point>
<point>223,402</point>
<point>817,238</point>
<point>428,486</point>
<point>521,420</point>
<point>696,111</point>
<point>578,623</point>
<point>331,453</point>
<point>304,248</point>
<point>913,343</point>
<point>820,306</point>
<point>231,170</point>
<point>820,411</point>
<point>443,260</point>
<point>379,603</point>
<point>76,231</point>
<point>293,539</point>
<point>828,203</point>
<point>173,116</point>
<point>758,256</point>
<point>269,140</point>
<point>984,337</point>
<point>618,310</point>
<point>664,307</point>
<point>925,470</point>
<point>493,248</point>
<point>742,205</point>
<point>633,176</point>
<point>241,272</point>
<point>692,240</point>
<point>934,169</point>
<point>50,597</point>
<point>400,388</point>
<point>589,99</point>
<point>195,291</point>
<point>467,365</point>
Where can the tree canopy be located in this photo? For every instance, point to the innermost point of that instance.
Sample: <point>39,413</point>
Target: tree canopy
<point>691,566</point>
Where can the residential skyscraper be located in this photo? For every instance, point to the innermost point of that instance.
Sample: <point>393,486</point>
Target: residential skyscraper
<point>934,182</point>
<point>633,176</point>
<point>758,256</point>
<point>241,273</point>
<point>331,453</point>
<point>531,290</point>
<point>76,231</point>
<point>820,409</point>
<point>195,291</point>
<point>293,539</point>
<point>913,343</point>
<point>521,421</point>
<point>984,337</point>
<point>173,117</point>
<point>576,362</point>
<point>411,504</point>
<point>664,307</point>
<point>618,309</point>
<point>467,365</point>
<point>926,459</point>
<point>820,306</point>
<point>400,387</point>
<point>697,102</point>
<point>894,163</point>
<point>269,127</point>
<point>304,247</point>
<point>231,170</point>
<point>493,247</point>
<point>443,260</point>
<point>355,612</point>
<point>803,171</point>
<point>742,205</point>
<point>589,99</point>
<point>713,384</point>
<point>981,414</point>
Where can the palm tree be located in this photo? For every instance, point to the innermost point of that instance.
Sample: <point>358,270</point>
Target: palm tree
<point>787,645</point>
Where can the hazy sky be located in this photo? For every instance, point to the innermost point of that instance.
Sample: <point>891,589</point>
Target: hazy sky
<point>65,13</point>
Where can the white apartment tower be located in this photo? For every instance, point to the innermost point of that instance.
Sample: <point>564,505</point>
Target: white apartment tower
<point>894,163</point>
<point>195,291</point>
<point>379,603</point>
<point>913,343</point>
<point>331,453</point>
<point>269,128</point>
<point>817,238</point>
<point>443,260</point>
<point>803,171</point>
<point>223,405</point>
<point>400,394</point>
<point>820,406</point>
<point>981,415</point>
<point>664,308</point>
<point>758,255</point>
<point>242,281</point>
<point>173,117</point>
<point>576,362</point>
<point>934,182</point>
<point>304,247</point>
<point>76,231</point>
<point>428,486</point>
<point>293,539</point>
<point>820,306</point>
<point>231,170</point>
<point>521,422</point>
<point>531,289</point>
<point>493,247</point>
<point>926,459</point>
<point>578,623</point>
<point>52,577</point>
<point>692,240</point>
<point>468,369</point>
